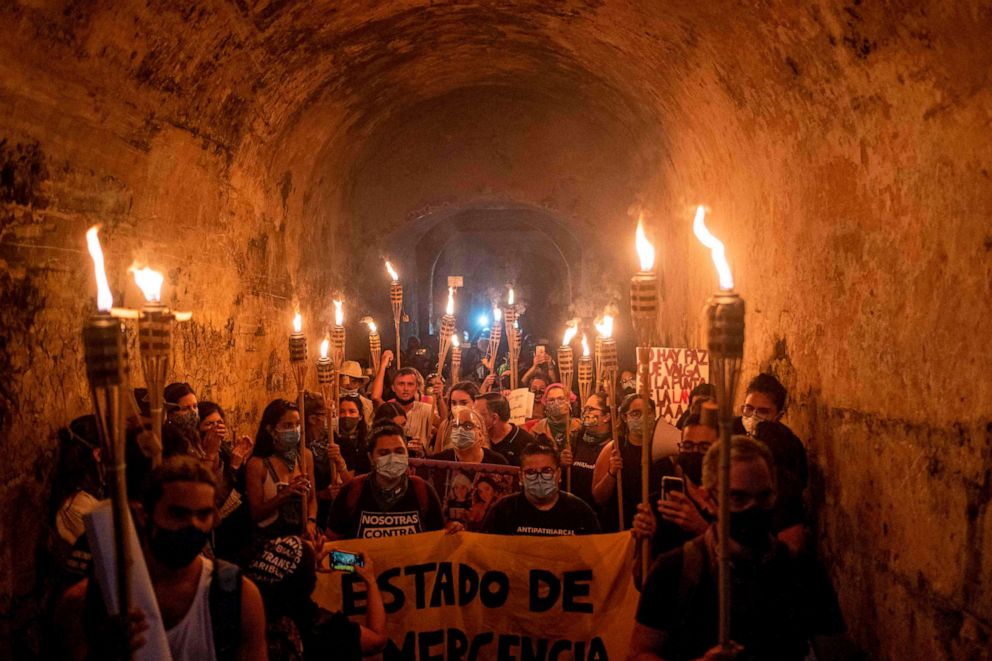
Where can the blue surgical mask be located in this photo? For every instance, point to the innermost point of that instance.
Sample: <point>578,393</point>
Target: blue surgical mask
<point>462,439</point>
<point>540,488</point>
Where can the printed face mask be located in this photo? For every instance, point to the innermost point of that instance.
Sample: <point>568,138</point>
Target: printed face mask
<point>539,487</point>
<point>751,423</point>
<point>636,426</point>
<point>462,439</point>
<point>392,466</point>
<point>287,444</point>
<point>556,409</point>
<point>186,422</point>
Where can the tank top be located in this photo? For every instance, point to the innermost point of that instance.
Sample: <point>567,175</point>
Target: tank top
<point>288,519</point>
<point>193,638</point>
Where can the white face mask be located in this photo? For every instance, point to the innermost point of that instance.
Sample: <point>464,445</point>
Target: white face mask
<point>462,439</point>
<point>751,424</point>
<point>392,466</point>
<point>456,409</point>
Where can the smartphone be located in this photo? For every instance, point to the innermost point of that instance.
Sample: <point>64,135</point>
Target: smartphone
<point>344,561</point>
<point>541,350</point>
<point>670,484</point>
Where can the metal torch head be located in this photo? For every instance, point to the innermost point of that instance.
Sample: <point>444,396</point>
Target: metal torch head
<point>725,325</point>
<point>104,351</point>
<point>644,308</point>
<point>297,348</point>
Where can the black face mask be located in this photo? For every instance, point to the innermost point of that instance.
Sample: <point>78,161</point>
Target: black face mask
<point>176,548</point>
<point>752,528</point>
<point>404,402</point>
<point>348,425</point>
<point>594,437</point>
<point>692,466</point>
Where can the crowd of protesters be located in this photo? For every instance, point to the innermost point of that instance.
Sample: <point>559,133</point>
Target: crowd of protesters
<point>235,529</point>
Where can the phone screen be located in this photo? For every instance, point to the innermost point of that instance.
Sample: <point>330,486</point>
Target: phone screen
<point>670,484</point>
<point>344,561</point>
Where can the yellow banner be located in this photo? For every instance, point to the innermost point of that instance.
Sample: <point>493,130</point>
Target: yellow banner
<point>472,596</point>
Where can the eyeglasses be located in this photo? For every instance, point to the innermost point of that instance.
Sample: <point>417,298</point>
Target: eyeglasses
<point>469,426</point>
<point>538,393</point>
<point>691,446</point>
<point>556,400</point>
<point>592,409</point>
<point>635,415</point>
<point>547,471</point>
<point>762,411</point>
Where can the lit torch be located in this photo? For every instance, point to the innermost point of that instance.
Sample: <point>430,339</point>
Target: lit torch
<point>446,331</point>
<point>725,330</point>
<point>155,342</point>
<point>396,299</point>
<point>456,358</point>
<point>375,345</point>
<point>106,370</point>
<point>512,337</point>
<point>644,313</point>
<point>585,372</point>
<point>495,335</point>
<point>565,366</point>
<point>608,377</point>
<point>298,363</point>
<point>327,378</point>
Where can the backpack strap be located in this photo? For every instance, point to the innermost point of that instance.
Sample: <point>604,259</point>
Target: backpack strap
<point>225,609</point>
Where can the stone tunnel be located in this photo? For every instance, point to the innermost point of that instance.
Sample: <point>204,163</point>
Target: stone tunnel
<point>269,154</point>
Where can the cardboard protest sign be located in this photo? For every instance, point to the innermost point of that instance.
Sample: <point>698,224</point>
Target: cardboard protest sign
<point>474,596</point>
<point>674,373</point>
<point>467,491</point>
<point>521,405</point>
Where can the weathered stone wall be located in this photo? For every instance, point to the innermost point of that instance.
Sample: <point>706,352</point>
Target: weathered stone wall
<point>267,153</point>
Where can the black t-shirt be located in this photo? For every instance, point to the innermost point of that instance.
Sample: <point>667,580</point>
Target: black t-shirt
<point>632,485</point>
<point>331,636</point>
<point>515,515</point>
<point>355,453</point>
<point>778,604</point>
<point>584,456</point>
<point>514,443</point>
<point>488,456</point>
<point>356,514</point>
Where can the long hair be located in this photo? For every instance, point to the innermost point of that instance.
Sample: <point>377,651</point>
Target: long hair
<point>362,430</point>
<point>76,469</point>
<point>628,401</point>
<point>273,413</point>
<point>387,411</point>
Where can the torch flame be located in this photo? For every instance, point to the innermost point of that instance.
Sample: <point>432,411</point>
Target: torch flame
<point>645,251</point>
<point>454,340</point>
<point>570,332</point>
<point>392,272</point>
<point>605,329</point>
<point>104,299</point>
<point>497,314</point>
<point>450,308</point>
<point>372,327</point>
<point>324,346</point>
<point>298,323</point>
<point>716,249</point>
<point>150,283</point>
<point>509,299</point>
<point>338,313</point>
<point>585,346</point>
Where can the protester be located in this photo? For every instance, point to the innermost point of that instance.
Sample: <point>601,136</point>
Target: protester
<point>77,486</point>
<point>626,460</point>
<point>628,383</point>
<point>556,409</point>
<point>780,602</point>
<point>505,437</point>
<point>541,509</point>
<point>420,418</point>
<point>706,390</point>
<point>208,610</point>
<point>587,444</point>
<point>296,627</point>
<point>461,396</point>
<point>226,463</point>
<point>765,401</point>
<point>278,478</point>
<point>351,439</point>
<point>537,382</point>
<point>467,438</point>
<point>683,514</point>
<point>182,415</point>
<point>387,502</point>
<point>352,380</point>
